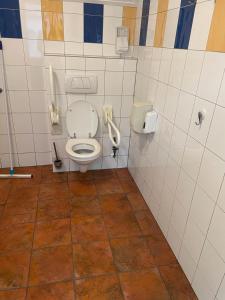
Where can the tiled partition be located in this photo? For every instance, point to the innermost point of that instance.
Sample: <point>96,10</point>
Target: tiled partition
<point>36,33</point>
<point>180,170</point>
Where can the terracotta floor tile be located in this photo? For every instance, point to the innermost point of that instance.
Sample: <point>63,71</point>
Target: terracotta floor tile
<point>176,282</point>
<point>34,171</point>
<point>108,185</point>
<point>4,192</point>
<point>121,225</point>
<point>18,294</point>
<point>85,205</point>
<point>123,173</point>
<point>128,185</point>
<point>14,269</point>
<point>114,203</point>
<point>82,188</point>
<point>49,209</point>
<point>146,285</point>
<point>92,259</point>
<point>47,175</point>
<point>131,254</point>
<point>19,194</point>
<point>52,233</point>
<point>77,176</point>
<point>18,219</point>
<point>53,291</point>
<point>88,228</point>
<point>54,190</point>
<point>50,265</point>
<point>16,237</point>
<point>20,207</point>
<point>103,173</point>
<point>161,252</point>
<point>1,211</point>
<point>137,201</point>
<point>146,221</point>
<point>99,288</point>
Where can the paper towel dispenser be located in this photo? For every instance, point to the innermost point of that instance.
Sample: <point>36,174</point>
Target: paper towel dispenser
<point>77,84</point>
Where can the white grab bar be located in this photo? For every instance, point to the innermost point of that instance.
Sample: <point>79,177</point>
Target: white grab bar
<point>53,108</point>
<point>108,121</point>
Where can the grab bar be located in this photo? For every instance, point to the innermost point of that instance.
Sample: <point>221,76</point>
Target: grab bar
<point>53,108</point>
<point>108,121</point>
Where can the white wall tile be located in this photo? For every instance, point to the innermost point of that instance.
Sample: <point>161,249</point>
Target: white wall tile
<point>9,52</point>
<point>128,83</point>
<point>24,143</point>
<point>16,78</point>
<point>113,11</point>
<point>171,28</point>
<point>211,268</point>
<point>72,48</point>
<point>19,101</point>
<point>54,47</point>
<point>73,27</point>
<point>215,141</point>
<point>114,65</point>
<point>113,83</point>
<point>34,52</point>
<point>22,122</point>
<point>199,33</point>
<point>35,78</point>
<point>30,4</point>
<point>38,101</point>
<point>216,232</point>
<point>214,63</point>
<point>90,49</point>
<point>211,174</point>
<point>130,65</point>
<point>192,157</point>
<point>177,67</point>
<point>109,29</point>
<point>172,99</point>
<point>26,159</point>
<point>184,110</point>
<point>221,292</point>
<point>221,198</point>
<point>188,264</point>
<point>201,209</point>
<point>192,71</point>
<point>95,64</point>
<point>193,234</point>
<point>177,145</point>
<point>166,60</point>
<point>31,22</point>
<point>73,7</point>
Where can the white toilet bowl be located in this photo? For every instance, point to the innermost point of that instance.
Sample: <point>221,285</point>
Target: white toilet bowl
<point>83,151</point>
<point>82,125</point>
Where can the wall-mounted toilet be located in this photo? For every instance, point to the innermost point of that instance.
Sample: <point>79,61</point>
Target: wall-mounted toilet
<point>82,126</point>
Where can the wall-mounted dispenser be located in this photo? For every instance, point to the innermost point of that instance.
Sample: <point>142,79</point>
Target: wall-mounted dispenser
<point>122,35</point>
<point>77,84</point>
<point>143,118</point>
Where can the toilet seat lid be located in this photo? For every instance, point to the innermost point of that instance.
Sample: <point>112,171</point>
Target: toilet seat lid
<point>81,120</point>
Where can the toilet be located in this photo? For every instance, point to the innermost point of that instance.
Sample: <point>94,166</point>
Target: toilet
<point>82,126</point>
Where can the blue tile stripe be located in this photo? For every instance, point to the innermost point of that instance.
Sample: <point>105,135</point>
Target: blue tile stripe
<point>184,25</point>
<point>0,45</point>
<point>10,24</point>
<point>10,4</point>
<point>144,22</point>
<point>93,23</point>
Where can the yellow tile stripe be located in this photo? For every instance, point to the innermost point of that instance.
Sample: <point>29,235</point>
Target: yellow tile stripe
<point>216,39</point>
<point>52,20</point>
<point>161,23</point>
<point>129,20</point>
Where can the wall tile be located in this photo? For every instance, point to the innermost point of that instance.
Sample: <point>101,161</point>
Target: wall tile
<point>217,30</point>
<point>52,6</point>
<point>129,21</point>
<point>199,33</point>
<point>144,22</point>
<point>73,7</point>
<point>31,24</point>
<point>93,29</point>
<point>184,25</point>
<point>12,4</point>
<point>211,174</point>
<point>171,28</point>
<point>10,25</point>
<point>160,29</point>
<point>109,30</point>
<point>93,9</point>
<point>52,26</point>
<point>30,4</point>
<point>73,28</point>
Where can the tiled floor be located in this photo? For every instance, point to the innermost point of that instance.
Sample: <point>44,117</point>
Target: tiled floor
<point>70,236</point>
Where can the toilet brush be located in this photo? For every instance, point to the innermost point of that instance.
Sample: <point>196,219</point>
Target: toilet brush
<point>57,161</point>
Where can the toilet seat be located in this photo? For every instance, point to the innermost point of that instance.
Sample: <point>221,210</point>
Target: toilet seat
<point>90,149</point>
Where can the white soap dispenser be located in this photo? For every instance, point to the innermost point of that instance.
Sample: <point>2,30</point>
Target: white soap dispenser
<point>122,45</point>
